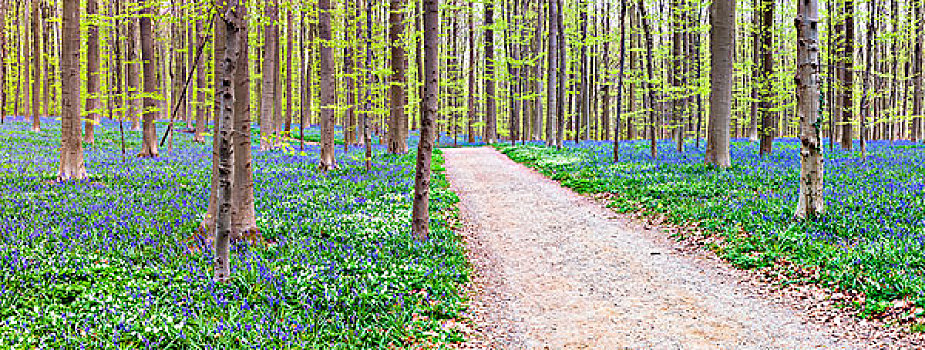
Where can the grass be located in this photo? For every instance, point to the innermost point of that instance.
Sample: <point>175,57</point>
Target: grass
<point>871,240</point>
<point>109,263</point>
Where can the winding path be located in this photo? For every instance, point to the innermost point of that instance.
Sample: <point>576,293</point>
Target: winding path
<point>555,270</point>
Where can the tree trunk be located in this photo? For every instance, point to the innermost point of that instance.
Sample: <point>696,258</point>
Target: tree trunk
<point>149,133</point>
<point>491,128</point>
<point>616,130</point>
<point>289,37</point>
<point>225,99</point>
<point>327,161</point>
<point>811,201</point>
<point>270,74</point>
<point>917,74</point>
<point>398,120</point>
<point>847,135</point>
<point>560,92</point>
<point>36,66</point>
<point>72,156</point>
<point>349,114</point>
<point>722,40</point>
<point>420,219</point>
<point>769,120</point>
<point>93,75</point>
<point>244,217</point>
<point>201,83</point>
<point>471,105</point>
<point>134,103</point>
<point>650,90</point>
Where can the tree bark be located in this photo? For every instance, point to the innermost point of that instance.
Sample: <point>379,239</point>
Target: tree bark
<point>225,99</point>
<point>847,81</point>
<point>722,40</point>
<point>244,217</point>
<point>36,66</point>
<point>327,161</point>
<point>149,133</point>
<point>650,92</point>
<point>289,38</point>
<point>72,157</point>
<point>398,120</point>
<point>769,120</point>
<point>270,74</point>
<point>491,128</point>
<point>134,103</point>
<point>201,83</point>
<point>811,202</point>
<point>93,75</point>
<point>616,130</point>
<point>420,222</point>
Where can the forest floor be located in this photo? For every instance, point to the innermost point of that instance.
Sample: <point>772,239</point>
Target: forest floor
<point>553,269</point>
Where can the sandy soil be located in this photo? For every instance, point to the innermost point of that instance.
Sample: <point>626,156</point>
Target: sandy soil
<point>555,270</point>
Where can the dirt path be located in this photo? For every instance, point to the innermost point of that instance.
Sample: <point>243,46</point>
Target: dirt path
<point>556,270</point>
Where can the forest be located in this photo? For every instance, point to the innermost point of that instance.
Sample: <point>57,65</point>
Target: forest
<point>462,174</point>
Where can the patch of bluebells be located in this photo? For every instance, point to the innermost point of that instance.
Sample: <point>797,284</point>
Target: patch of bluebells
<point>113,262</point>
<point>871,239</point>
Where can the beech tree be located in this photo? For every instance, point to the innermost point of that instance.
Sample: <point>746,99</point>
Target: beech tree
<point>270,75</point>
<point>420,222</point>
<point>398,120</point>
<point>72,156</point>
<point>327,161</point>
<point>149,132</point>
<point>722,40</point>
<point>810,201</point>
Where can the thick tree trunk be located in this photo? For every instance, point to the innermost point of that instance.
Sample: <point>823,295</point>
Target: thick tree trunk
<point>420,219</point>
<point>811,201</point>
<point>491,121</point>
<point>72,156</point>
<point>551,74</point>
<point>722,40</point>
<point>149,133</point>
<point>398,120</point>
<point>327,161</point>
<point>244,217</point>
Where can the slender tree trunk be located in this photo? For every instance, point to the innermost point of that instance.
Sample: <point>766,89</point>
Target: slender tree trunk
<point>398,120</point>
<point>552,75</point>
<point>420,207</point>
<point>847,135</point>
<point>226,100</point>
<point>917,72</point>
<point>650,90</point>
<point>134,102</point>
<point>3,63</point>
<point>616,130</point>
<point>722,40</point>
<point>562,61</point>
<point>72,156</point>
<point>811,201</point>
<point>289,38</point>
<point>36,66</point>
<point>200,83</point>
<point>149,133</point>
<point>327,161</point>
<point>270,74</point>
<point>766,42</point>
<point>491,128</point>
<point>350,125</point>
<point>93,75</point>
<point>471,107</point>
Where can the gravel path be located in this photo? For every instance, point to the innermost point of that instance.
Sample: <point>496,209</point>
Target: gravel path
<point>555,270</point>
